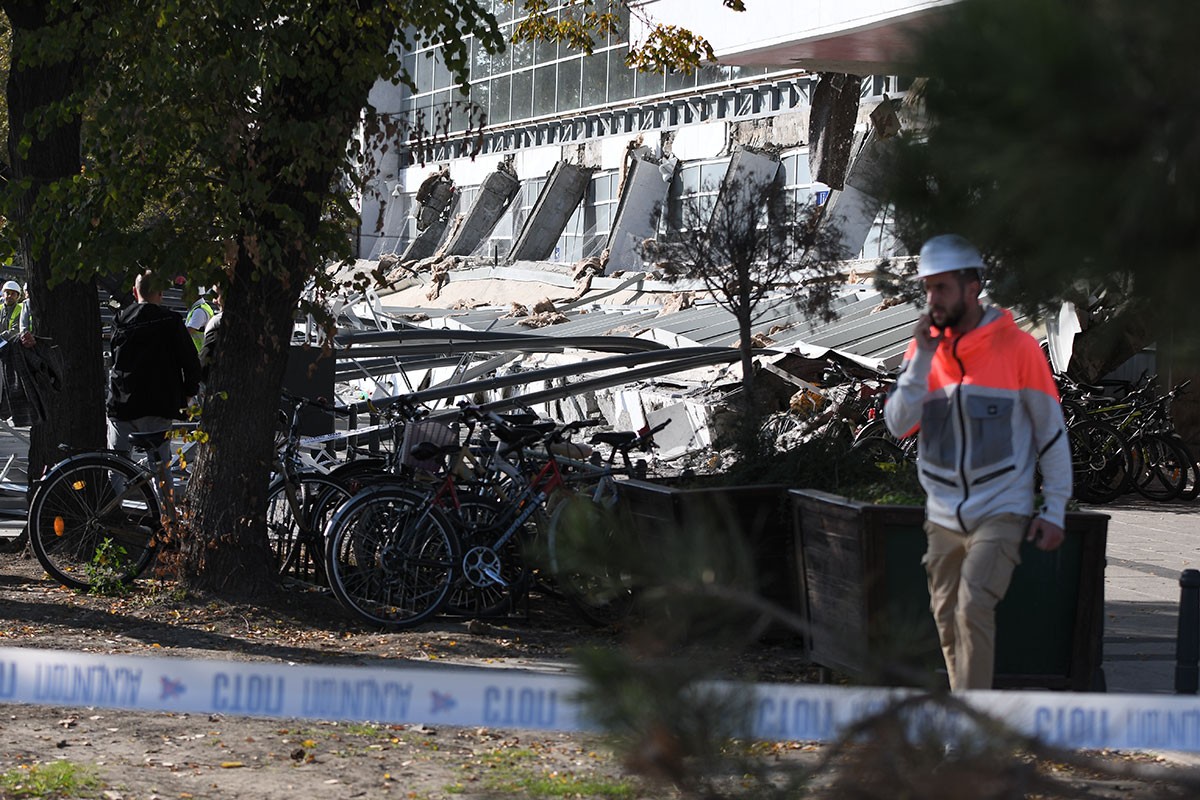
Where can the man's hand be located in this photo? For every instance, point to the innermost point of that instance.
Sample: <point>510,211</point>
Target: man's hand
<point>27,339</point>
<point>1044,534</point>
<point>926,340</point>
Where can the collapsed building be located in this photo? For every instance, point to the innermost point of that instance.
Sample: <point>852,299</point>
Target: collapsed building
<point>520,245</point>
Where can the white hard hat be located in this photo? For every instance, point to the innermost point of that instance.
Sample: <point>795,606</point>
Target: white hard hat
<point>12,286</point>
<point>948,253</point>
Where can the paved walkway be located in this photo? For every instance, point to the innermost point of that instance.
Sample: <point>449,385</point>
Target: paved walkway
<point>1149,545</point>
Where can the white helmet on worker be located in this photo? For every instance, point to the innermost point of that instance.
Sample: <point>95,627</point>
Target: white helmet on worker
<point>11,286</point>
<point>948,253</point>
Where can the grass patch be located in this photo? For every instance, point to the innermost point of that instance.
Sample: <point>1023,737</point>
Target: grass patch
<point>363,729</point>
<point>515,771</point>
<point>58,779</point>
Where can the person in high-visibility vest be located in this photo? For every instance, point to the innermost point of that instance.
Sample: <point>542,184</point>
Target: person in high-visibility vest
<point>12,306</point>
<point>197,318</point>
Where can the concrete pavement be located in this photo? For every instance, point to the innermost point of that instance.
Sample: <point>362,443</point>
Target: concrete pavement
<point>1149,545</point>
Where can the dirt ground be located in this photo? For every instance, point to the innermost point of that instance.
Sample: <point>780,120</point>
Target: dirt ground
<point>122,755</point>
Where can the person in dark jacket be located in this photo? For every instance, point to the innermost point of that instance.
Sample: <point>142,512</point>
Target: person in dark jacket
<point>155,370</point>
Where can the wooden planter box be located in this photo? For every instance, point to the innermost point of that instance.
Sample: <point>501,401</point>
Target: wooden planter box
<point>867,600</point>
<point>758,516</point>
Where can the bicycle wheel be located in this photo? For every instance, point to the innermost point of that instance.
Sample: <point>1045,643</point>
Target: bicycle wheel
<point>391,557</point>
<point>876,449</point>
<point>777,427</point>
<point>361,473</point>
<point>1100,461</point>
<point>493,579</point>
<point>95,518</point>
<point>585,550</point>
<point>1164,471</point>
<point>297,512</point>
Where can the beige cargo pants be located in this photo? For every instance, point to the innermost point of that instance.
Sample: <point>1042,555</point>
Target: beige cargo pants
<point>968,575</point>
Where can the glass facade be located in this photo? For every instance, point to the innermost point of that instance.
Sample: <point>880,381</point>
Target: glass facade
<point>532,82</point>
<point>536,80</point>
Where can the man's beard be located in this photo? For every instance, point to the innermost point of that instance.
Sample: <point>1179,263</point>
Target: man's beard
<point>953,315</point>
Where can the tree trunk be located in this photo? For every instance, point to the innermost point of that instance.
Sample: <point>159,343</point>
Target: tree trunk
<point>67,314</point>
<point>224,542</point>
<point>224,546</point>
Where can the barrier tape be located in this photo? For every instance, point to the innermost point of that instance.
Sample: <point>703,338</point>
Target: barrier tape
<point>509,698</point>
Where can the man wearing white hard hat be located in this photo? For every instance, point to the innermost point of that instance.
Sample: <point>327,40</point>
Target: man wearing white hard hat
<point>12,306</point>
<point>980,393</point>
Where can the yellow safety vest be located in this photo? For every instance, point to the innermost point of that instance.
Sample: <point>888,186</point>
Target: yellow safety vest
<point>14,318</point>
<point>198,336</point>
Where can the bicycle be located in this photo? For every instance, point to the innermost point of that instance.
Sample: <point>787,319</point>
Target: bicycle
<point>585,533</point>
<point>396,556</point>
<point>102,511</point>
<point>299,503</point>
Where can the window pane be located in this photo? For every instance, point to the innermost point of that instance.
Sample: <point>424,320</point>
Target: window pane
<point>419,114</point>
<point>620,77</point>
<point>480,94</point>
<point>501,89</point>
<point>798,173</point>
<point>503,9</point>
<point>595,74</point>
<point>522,52</point>
<point>547,51</point>
<point>677,80</point>
<point>621,34</point>
<point>410,65</point>
<point>522,95</point>
<point>648,83</point>
<point>689,179</point>
<point>441,74</point>
<point>441,109</point>
<point>543,91</point>
<point>713,73</point>
<point>423,74</point>
<point>568,84</point>
<point>711,176</point>
<point>600,188</point>
<point>481,61</point>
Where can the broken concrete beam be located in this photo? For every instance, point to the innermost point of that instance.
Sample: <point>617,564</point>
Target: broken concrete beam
<point>426,242</point>
<point>835,101</point>
<point>564,189</point>
<point>852,210</point>
<point>744,186</point>
<point>495,193</point>
<point>642,200</point>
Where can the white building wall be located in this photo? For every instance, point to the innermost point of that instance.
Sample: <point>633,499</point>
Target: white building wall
<point>770,23</point>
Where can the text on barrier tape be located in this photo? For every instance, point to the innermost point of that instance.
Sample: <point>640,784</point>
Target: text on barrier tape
<point>519,699</point>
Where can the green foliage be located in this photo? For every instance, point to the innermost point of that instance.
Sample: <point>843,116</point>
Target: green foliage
<point>829,465</point>
<point>5,63</point>
<point>58,779</point>
<point>106,571</point>
<point>583,25</point>
<point>1062,142</point>
<point>226,128</point>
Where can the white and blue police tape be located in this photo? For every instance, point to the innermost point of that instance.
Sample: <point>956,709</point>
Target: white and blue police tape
<point>518,699</point>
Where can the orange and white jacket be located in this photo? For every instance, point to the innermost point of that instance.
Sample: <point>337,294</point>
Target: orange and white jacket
<point>988,412</point>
